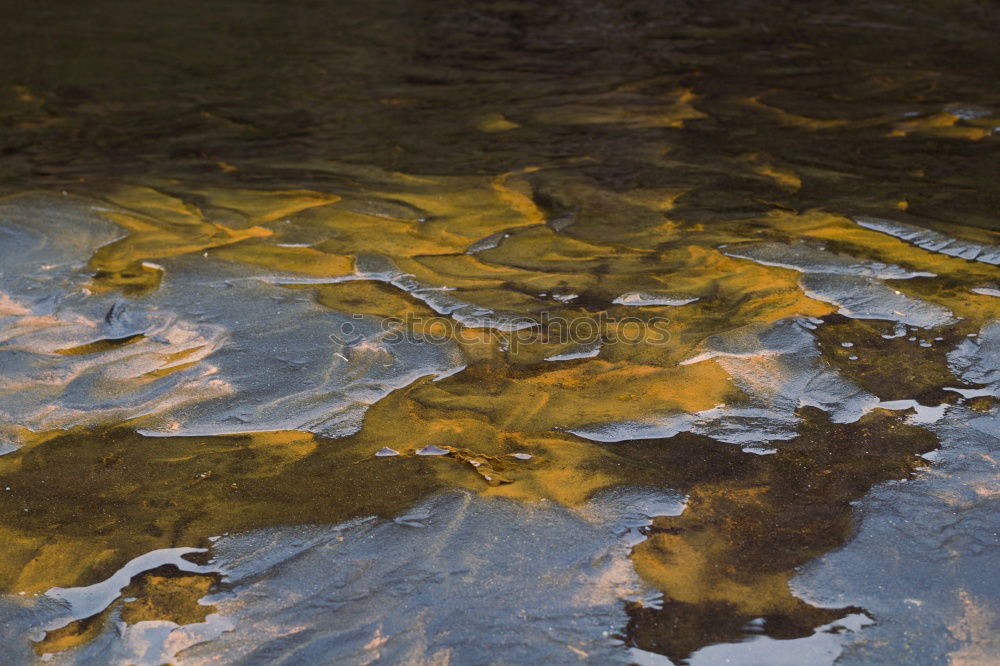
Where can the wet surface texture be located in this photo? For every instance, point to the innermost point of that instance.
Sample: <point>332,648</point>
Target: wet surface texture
<point>413,332</point>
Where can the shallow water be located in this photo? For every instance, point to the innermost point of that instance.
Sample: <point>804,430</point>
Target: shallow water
<point>499,333</point>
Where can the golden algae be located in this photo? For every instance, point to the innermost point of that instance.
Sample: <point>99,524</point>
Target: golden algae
<point>132,279</point>
<point>168,597</point>
<point>759,104</point>
<point>306,260</point>
<point>166,220</point>
<point>135,494</point>
<point>944,125</point>
<point>496,122</point>
<point>660,109</point>
<point>84,503</point>
<point>370,298</point>
<point>152,240</point>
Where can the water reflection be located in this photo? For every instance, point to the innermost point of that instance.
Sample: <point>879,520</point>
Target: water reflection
<point>258,263</point>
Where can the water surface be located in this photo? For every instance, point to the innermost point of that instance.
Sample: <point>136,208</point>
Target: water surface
<point>487,332</point>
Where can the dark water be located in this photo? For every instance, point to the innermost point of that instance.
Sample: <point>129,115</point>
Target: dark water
<point>436,332</point>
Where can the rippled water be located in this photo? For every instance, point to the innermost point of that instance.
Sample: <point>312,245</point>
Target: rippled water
<point>434,332</point>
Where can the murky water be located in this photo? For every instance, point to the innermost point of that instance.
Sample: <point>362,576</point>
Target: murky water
<point>433,332</point>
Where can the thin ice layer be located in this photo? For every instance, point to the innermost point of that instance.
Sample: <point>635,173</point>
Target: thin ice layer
<point>76,364</point>
<point>925,549</point>
<point>379,268</point>
<point>461,578</point>
<point>807,258</point>
<point>779,367</point>
<point>216,349</point>
<point>920,560</point>
<point>822,648</point>
<point>291,363</point>
<point>991,289</point>
<point>46,235</point>
<point>933,241</point>
<point>977,360</point>
<point>441,300</point>
<point>866,298</point>
<point>645,298</point>
<point>853,285</point>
